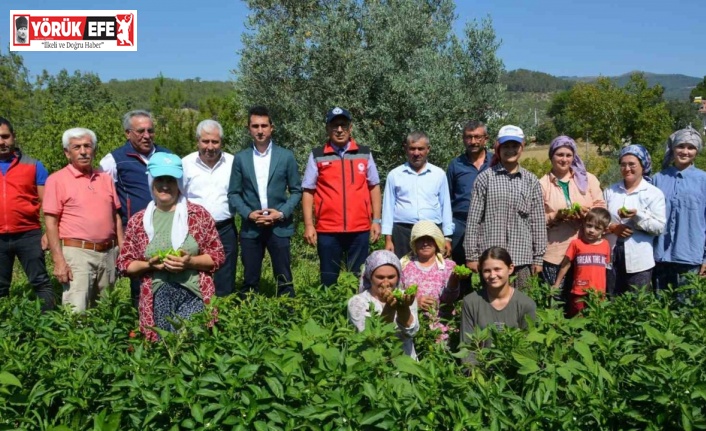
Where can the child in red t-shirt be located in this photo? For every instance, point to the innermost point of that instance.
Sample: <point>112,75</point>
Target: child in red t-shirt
<point>589,253</point>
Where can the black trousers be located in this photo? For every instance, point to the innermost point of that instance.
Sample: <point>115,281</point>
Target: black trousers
<point>27,247</point>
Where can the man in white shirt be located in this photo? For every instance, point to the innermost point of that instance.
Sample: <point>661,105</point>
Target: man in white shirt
<point>206,177</point>
<point>265,188</point>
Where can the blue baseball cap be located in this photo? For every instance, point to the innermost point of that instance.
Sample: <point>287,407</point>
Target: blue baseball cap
<point>165,164</point>
<point>511,133</point>
<point>337,112</point>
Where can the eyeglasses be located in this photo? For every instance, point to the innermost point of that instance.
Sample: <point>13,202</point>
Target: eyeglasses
<point>629,165</point>
<point>142,131</point>
<point>335,126</point>
<point>6,136</point>
<point>210,141</point>
<point>474,137</point>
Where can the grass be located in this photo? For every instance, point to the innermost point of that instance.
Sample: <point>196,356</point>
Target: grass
<point>541,152</point>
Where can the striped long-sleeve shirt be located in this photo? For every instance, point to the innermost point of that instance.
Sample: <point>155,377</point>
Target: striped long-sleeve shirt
<point>507,211</point>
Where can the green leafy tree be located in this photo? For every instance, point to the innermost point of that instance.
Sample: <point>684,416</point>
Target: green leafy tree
<point>611,115</point>
<point>175,124</point>
<point>228,111</point>
<point>557,111</point>
<point>63,101</point>
<point>397,65</point>
<point>683,113</point>
<point>16,89</point>
<point>523,80</point>
<point>650,123</point>
<point>176,118</point>
<point>699,90</point>
<point>78,91</point>
<point>546,132</point>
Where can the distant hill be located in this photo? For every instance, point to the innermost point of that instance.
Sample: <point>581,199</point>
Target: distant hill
<point>530,81</point>
<point>137,92</point>
<point>676,86</point>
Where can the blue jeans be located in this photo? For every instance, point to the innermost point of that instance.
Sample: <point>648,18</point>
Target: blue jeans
<point>27,247</point>
<point>254,252</point>
<point>332,246</point>
<point>666,273</point>
<point>224,278</point>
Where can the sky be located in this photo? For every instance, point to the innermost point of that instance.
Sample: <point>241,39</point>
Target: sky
<point>202,38</point>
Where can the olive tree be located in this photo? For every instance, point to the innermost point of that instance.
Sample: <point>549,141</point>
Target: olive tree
<point>397,65</point>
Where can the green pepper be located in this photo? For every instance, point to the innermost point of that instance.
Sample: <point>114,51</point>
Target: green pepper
<point>162,254</point>
<point>462,270</point>
<point>397,293</point>
<point>411,290</point>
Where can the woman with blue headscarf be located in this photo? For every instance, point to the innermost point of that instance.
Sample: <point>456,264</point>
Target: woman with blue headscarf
<point>567,184</point>
<point>637,210</point>
<point>681,249</point>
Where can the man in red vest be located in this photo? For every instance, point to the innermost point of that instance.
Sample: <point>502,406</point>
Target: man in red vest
<point>22,181</point>
<point>341,190</point>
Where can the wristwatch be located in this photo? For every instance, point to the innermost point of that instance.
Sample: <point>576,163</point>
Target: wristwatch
<point>377,220</point>
<point>281,216</point>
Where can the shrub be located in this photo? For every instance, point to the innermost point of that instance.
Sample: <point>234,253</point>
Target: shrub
<point>633,363</point>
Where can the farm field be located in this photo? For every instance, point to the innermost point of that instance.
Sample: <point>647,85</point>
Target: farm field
<point>275,364</point>
<point>540,152</point>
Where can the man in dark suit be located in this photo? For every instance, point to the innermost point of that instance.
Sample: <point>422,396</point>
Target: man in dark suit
<point>265,188</point>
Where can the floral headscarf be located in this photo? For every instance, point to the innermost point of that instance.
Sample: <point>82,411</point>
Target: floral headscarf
<point>688,135</point>
<point>641,153</point>
<point>374,261</point>
<point>577,166</point>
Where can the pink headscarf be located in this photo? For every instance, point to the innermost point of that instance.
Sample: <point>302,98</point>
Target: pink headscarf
<point>577,166</point>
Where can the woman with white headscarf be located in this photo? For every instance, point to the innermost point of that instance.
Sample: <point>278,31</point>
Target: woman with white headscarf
<point>681,249</point>
<point>637,216</point>
<point>173,285</point>
<point>381,276</point>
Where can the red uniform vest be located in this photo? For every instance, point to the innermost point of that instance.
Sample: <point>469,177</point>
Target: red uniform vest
<point>342,197</point>
<point>19,198</point>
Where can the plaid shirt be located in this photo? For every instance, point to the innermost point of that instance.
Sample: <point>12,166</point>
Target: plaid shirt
<point>507,211</point>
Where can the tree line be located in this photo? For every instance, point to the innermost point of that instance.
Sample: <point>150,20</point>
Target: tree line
<point>397,65</point>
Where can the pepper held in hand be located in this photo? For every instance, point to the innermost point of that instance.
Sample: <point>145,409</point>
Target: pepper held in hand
<point>399,293</point>
<point>162,254</point>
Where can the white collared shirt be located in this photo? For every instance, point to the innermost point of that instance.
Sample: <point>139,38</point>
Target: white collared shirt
<point>649,222</point>
<point>208,186</point>
<point>261,162</point>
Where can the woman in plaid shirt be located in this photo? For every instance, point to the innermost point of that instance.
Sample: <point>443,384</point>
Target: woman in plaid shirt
<point>507,210</point>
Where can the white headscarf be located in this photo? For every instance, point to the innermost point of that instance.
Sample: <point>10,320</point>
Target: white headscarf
<point>180,224</point>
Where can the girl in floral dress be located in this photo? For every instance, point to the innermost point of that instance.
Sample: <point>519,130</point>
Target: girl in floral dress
<point>425,266</point>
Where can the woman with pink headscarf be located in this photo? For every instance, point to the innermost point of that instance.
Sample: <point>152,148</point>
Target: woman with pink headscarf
<point>566,185</point>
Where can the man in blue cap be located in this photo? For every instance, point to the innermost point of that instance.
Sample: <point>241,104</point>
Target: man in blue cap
<point>341,184</point>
